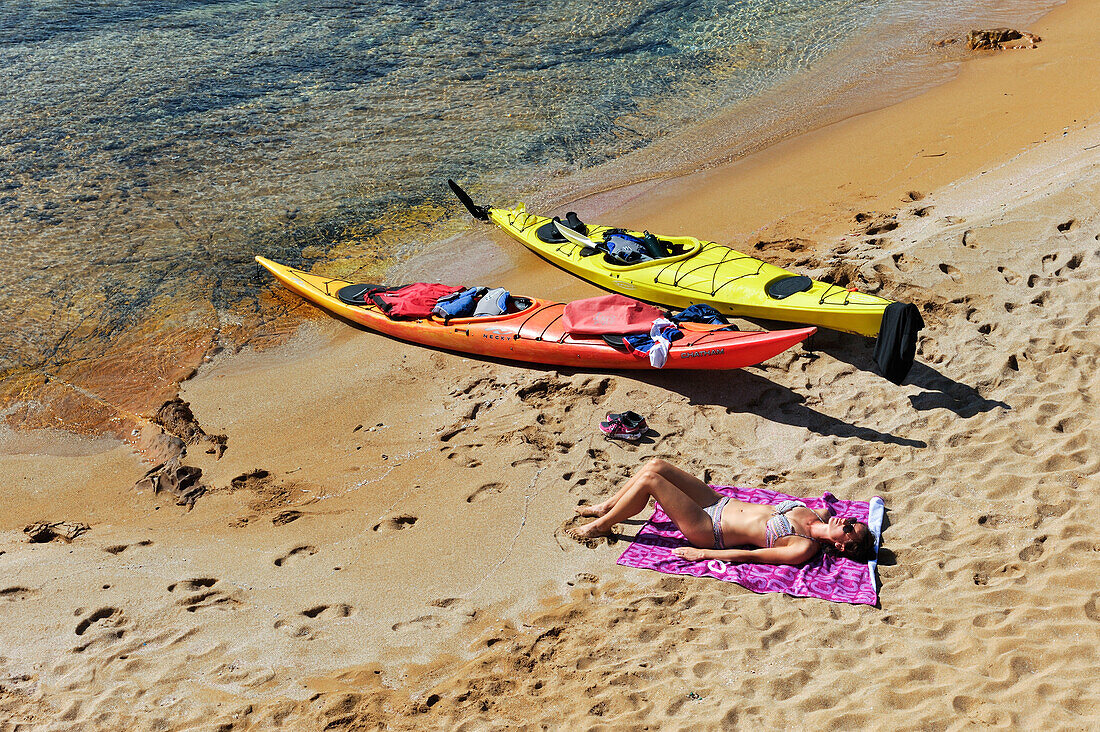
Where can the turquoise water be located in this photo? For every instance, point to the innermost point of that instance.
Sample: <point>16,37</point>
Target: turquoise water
<point>151,147</point>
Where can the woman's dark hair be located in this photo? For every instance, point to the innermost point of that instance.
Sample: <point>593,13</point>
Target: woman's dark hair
<point>861,550</point>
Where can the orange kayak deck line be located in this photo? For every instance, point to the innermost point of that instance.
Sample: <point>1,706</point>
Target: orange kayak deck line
<point>537,335</point>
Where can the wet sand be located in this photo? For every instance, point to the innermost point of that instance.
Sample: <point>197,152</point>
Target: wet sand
<point>381,543</point>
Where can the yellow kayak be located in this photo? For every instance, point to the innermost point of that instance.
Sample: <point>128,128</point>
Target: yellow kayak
<point>686,271</point>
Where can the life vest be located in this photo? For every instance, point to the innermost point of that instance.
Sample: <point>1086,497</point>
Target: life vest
<point>493,302</point>
<point>459,305</point>
<point>412,301</point>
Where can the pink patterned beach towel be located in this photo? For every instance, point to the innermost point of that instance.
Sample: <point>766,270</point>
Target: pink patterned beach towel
<point>826,577</point>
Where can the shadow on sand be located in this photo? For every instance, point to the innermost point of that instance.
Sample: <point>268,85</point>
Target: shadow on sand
<point>941,392</point>
<point>744,392</point>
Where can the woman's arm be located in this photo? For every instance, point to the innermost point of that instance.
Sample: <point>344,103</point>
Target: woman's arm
<point>796,553</point>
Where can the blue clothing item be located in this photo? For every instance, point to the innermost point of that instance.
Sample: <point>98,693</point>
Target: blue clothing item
<point>459,305</point>
<point>642,342</point>
<point>626,248</point>
<point>699,314</point>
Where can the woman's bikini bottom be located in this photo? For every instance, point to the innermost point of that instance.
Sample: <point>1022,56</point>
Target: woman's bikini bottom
<point>715,513</point>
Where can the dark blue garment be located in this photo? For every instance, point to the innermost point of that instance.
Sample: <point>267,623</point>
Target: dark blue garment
<point>642,342</point>
<point>699,314</point>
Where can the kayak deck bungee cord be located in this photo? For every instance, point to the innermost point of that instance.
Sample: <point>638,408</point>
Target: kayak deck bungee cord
<point>536,333</point>
<point>685,271</point>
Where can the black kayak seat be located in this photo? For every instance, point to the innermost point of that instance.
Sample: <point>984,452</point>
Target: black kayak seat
<point>357,294</point>
<point>615,341</point>
<point>550,234</point>
<point>786,286</point>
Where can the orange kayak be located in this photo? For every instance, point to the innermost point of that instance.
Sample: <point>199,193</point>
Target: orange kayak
<point>536,334</point>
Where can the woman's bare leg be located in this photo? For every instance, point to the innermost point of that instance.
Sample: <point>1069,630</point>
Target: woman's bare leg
<point>603,507</point>
<point>699,491</point>
<point>681,505</point>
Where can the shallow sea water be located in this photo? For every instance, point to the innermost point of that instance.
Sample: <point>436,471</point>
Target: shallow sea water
<point>152,147</point>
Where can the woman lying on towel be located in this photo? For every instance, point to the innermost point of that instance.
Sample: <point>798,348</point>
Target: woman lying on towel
<point>789,533</point>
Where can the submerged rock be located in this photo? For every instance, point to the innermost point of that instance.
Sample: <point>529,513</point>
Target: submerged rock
<point>1000,39</point>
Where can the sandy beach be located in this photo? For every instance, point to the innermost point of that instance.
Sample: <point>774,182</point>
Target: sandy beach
<point>381,544</point>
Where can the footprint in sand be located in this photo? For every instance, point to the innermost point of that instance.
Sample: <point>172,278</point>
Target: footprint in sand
<point>583,578</point>
<point>456,606</point>
<point>284,518</point>
<point>298,631</point>
<point>209,599</point>
<point>191,585</point>
<point>990,619</point>
<point>464,454</point>
<point>203,597</point>
<point>424,622</point>
<point>106,617</point>
<point>1010,277</point>
<point>979,710</point>
<point>395,523</point>
<point>15,594</point>
<point>1074,262</point>
<point>341,610</point>
<point>298,552</point>
<point>252,480</point>
<point>485,491</point>
<point>876,223</point>
<point>447,434</point>
<point>902,262</point>
<point>119,548</point>
<point>1092,608</point>
<point>103,627</point>
<point>1034,550</point>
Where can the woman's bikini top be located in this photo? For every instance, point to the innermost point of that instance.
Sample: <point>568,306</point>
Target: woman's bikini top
<point>779,525</point>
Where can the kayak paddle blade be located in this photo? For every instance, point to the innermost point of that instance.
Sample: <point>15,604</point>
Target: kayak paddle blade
<point>578,239</point>
<point>478,212</point>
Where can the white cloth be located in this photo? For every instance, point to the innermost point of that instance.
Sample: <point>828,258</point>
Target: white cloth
<point>658,353</point>
<point>875,513</point>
